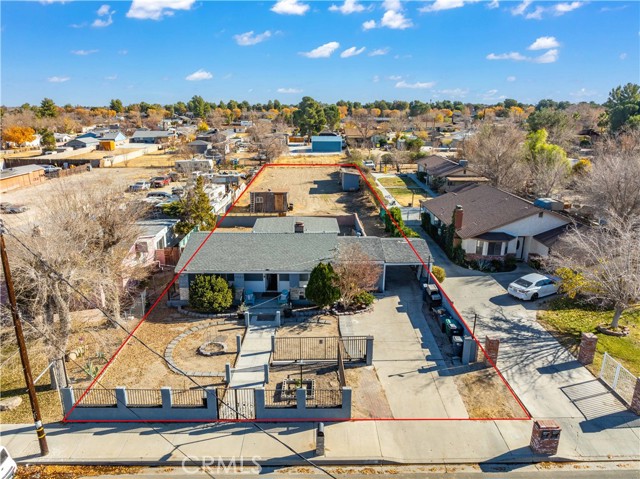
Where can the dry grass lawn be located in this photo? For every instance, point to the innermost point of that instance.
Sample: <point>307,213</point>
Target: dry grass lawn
<point>485,395</point>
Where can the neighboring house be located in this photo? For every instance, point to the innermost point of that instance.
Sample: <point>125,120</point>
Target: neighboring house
<point>271,262</point>
<point>189,166</point>
<point>268,202</point>
<point>19,176</point>
<point>199,147</point>
<point>85,142</point>
<point>62,137</point>
<point>157,243</point>
<point>326,144</point>
<point>490,223</point>
<point>220,198</point>
<point>443,174</point>
<point>349,179</point>
<point>117,137</point>
<point>354,137</point>
<point>151,136</point>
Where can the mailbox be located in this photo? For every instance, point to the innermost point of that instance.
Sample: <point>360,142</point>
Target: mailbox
<point>545,436</point>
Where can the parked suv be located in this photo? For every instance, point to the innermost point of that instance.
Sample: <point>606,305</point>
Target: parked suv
<point>160,181</point>
<point>139,186</point>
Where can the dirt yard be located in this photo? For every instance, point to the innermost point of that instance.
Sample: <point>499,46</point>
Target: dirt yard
<point>137,367</point>
<point>316,191</point>
<point>369,399</point>
<point>312,159</point>
<point>317,326</point>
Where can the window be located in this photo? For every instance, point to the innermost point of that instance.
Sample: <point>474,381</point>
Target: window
<point>479,247</point>
<point>229,277</point>
<point>259,199</point>
<point>495,249</point>
<point>304,277</point>
<point>253,277</point>
<point>284,277</point>
<point>541,214</point>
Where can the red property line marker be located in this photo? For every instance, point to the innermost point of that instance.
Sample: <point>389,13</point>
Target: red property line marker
<point>166,289</point>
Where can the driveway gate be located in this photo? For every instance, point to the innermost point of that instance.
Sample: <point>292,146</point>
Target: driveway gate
<point>618,378</point>
<point>236,404</point>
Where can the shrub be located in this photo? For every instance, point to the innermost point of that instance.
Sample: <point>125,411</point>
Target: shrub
<point>210,294</point>
<point>320,288</point>
<point>363,298</point>
<point>510,262</point>
<point>496,265</point>
<point>439,273</point>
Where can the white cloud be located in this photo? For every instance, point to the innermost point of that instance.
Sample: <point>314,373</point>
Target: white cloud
<point>455,92</point>
<point>395,20</point>
<point>562,8</point>
<point>250,38</point>
<point>323,51</point>
<point>157,9</point>
<point>550,56</point>
<point>123,52</point>
<point>352,52</point>
<point>376,78</point>
<point>536,14</point>
<point>111,77</point>
<point>289,90</point>
<point>511,78</point>
<point>416,85</point>
<point>493,4</point>
<point>199,75</point>
<point>623,56</point>
<point>83,52</point>
<point>395,77</point>
<point>515,56</point>
<point>378,52</point>
<point>104,10</point>
<point>520,9</point>
<point>290,7</point>
<point>544,43</point>
<point>438,5</point>
<point>58,79</point>
<point>348,7</point>
<point>392,5</point>
<point>369,24</point>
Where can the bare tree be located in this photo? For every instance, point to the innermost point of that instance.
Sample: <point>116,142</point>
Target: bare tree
<point>607,257</point>
<point>364,123</point>
<point>81,248</point>
<point>613,182</point>
<point>271,147</point>
<point>355,272</point>
<point>495,152</point>
<point>259,131</point>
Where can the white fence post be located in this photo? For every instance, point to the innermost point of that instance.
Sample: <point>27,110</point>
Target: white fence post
<point>604,363</point>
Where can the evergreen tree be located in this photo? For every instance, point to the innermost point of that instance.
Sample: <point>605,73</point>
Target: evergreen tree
<point>48,109</point>
<point>194,210</point>
<point>309,117</point>
<point>321,289</point>
<point>48,141</point>
<point>210,294</point>
<point>116,105</point>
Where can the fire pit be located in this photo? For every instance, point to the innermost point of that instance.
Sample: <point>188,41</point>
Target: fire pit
<point>212,348</point>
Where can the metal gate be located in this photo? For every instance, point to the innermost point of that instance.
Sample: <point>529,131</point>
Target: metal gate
<point>236,404</point>
<point>618,378</point>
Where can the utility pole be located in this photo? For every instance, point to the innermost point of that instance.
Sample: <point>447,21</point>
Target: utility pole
<point>26,367</point>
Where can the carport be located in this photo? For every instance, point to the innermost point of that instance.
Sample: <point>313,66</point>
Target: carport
<point>398,253</point>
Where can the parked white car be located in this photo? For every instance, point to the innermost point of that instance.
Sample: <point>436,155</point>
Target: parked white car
<point>533,286</point>
<point>369,164</point>
<point>7,464</point>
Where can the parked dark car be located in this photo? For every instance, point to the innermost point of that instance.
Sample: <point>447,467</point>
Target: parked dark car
<point>12,209</point>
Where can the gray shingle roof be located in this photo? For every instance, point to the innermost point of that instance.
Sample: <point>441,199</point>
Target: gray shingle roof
<point>370,245</point>
<point>397,250</point>
<point>312,224</point>
<point>151,134</point>
<point>485,208</point>
<point>249,252</point>
<point>18,170</point>
<point>440,166</point>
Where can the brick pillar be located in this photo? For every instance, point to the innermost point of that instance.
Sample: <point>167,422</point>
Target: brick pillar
<point>635,400</point>
<point>491,347</point>
<point>587,350</point>
<point>545,437</point>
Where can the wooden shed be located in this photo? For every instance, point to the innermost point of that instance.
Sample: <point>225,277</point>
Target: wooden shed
<point>268,202</point>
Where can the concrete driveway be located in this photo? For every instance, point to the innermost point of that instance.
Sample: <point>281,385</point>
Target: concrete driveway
<point>406,357</point>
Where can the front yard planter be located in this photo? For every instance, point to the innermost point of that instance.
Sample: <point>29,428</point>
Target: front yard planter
<point>617,332</point>
<point>289,387</point>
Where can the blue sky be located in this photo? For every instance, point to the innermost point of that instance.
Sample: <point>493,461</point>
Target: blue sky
<point>163,51</point>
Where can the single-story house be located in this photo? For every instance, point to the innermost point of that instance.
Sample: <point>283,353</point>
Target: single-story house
<point>268,201</point>
<point>84,142</point>
<point>354,137</point>
<point>326,144</point>
<point>350,179</point>
<point>444,174</point>
<point>266,262</point>
<point>19,176</point>
<point>199,147</point>
<point>116,136</point>
<point>61,137</point>
<point>151,136</point>
<point>490,223</point>
<point>157,243</point>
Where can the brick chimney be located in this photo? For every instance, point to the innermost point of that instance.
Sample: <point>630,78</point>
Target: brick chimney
<point>457,217</point>
<point>298,227</point>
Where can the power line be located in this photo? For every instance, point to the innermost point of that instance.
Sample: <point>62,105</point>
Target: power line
<point>61,278</point>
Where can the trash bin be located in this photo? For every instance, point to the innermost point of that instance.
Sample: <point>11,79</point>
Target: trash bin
<point>457,342</point>
<point>452,328</point>
<point>431,295</point>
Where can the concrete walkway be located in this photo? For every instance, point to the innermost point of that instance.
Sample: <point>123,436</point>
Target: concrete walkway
<point>255,352</point>
<point>406,357</point>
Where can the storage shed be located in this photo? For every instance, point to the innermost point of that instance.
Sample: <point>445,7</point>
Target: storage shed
<point>350,179</point>
<point>268,202</point>
<point>326,144</point>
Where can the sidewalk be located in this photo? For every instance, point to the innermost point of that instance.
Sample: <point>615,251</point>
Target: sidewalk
<point>255,352</point>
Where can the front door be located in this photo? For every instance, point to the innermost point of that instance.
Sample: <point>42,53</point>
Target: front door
<point>279,202</point>
<point>520,247</point>
<point>272,282</point>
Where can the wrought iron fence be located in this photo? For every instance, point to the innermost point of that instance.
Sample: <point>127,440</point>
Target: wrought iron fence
<point>325,398</point>
<point>319,349</point>
<point>618,378</point>
<point>188,398</point>
<point>144,397</point>
<point>236,403</point>
<point>277,398</point>
<point>96,397</point>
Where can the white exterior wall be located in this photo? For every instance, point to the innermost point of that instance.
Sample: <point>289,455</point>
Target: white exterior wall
<point>528,227</point>
<point>538,248</point>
